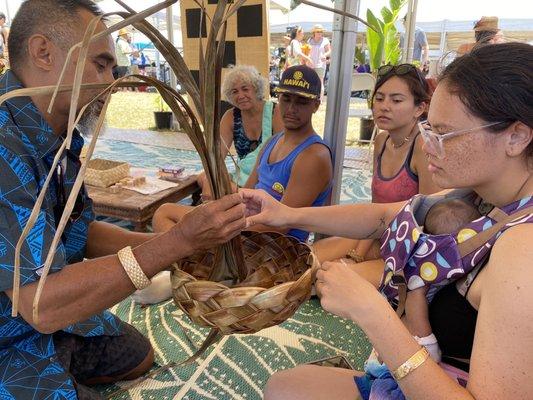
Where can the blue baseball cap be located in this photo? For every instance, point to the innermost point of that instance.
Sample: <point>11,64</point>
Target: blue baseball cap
<point>300,80</point>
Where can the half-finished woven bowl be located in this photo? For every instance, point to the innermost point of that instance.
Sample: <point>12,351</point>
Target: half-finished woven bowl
<point>280,275</point>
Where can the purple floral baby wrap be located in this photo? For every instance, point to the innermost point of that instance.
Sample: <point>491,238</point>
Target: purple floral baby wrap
<point>427,259</point>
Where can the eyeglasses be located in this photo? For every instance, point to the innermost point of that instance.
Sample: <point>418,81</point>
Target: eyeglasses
<point>402,69</point>
<point>435,140</point>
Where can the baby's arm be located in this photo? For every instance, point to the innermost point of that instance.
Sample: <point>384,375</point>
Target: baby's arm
<point>416,319</point>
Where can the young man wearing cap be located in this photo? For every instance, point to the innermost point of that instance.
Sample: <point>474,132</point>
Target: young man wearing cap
<point>295,165</point>
<point>320,51</point>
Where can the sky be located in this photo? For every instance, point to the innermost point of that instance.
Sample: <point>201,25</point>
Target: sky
<point>462,10</point>
<point>428,10</point>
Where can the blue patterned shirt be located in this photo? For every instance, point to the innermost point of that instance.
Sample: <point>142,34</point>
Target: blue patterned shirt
<point>29,368</point>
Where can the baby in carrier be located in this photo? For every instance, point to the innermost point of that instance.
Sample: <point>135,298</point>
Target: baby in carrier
<point>431,242</point>
<point>446,216</point>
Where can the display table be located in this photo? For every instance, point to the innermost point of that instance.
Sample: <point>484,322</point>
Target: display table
<point>135,207</point>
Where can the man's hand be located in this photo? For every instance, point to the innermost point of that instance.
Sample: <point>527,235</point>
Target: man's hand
<point>211,224</point>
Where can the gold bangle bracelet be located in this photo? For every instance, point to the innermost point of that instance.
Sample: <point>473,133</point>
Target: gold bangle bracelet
<point>132,268</point>
<point>415,361</point>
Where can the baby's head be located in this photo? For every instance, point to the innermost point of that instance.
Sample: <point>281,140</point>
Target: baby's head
<point>448,216</point>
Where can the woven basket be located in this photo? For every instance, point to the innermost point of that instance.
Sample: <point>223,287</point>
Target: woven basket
<point>280,276</point>
<point>104,173</point>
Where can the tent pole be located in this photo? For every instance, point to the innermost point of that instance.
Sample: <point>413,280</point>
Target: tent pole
<point>8,20</point>
<point>409,36</point>
<point>157,54</point>
<point>170,36</point>
<point>442,44</point>
<point>339,88</point>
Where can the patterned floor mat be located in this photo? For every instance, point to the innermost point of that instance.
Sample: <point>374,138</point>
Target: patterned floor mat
<point>239,365</point>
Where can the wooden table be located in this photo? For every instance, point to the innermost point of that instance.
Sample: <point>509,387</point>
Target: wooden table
<point>136,207</point>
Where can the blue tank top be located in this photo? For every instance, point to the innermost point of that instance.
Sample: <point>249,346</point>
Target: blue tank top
<point>274,177</point>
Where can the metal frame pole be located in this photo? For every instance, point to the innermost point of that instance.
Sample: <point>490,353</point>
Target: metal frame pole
<point>410,31</point>
<point>8,20</point>
<point>339,88</point>
<point>442,44</point>
<point>170,36</point>
<point>157,54</point>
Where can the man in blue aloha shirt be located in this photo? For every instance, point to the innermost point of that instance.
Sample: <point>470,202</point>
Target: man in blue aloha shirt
<point>75,342</point>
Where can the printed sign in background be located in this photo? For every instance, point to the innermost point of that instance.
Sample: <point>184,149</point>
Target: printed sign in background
<point>247,36</point>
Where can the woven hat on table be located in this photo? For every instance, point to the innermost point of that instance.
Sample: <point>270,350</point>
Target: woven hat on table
<point>280,275</point>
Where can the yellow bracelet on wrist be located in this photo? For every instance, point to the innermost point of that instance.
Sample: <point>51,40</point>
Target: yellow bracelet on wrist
<point>415,361</point>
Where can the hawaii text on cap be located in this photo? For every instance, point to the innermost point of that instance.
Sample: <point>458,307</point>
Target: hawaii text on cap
<point>301,80</point>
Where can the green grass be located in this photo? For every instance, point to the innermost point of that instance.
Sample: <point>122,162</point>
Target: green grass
<point>134,110</point>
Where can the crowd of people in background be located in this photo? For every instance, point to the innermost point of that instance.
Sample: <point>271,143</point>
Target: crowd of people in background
<point>315,52</point>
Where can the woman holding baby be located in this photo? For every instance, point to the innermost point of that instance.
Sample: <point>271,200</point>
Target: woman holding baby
<point>479,137</point>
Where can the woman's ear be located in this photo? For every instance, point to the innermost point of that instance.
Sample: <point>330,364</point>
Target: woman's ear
<point>519,137</point>
<point>421,109</point>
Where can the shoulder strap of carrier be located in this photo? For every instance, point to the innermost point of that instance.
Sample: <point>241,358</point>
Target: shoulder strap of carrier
<point>478,240</point>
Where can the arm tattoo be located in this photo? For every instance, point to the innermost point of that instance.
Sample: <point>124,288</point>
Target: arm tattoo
<point>380,227</point>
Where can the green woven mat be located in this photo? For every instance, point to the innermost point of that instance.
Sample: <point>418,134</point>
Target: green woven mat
<point>239,365</point>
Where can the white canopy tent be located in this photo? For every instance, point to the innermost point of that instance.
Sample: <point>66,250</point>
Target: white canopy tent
<point>159,19</point>
<point>305,16</point>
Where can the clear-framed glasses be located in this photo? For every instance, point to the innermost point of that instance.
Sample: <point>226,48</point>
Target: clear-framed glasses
<point>435,140</point>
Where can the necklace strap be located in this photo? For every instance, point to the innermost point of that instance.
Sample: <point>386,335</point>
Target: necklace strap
<point>405,139</point>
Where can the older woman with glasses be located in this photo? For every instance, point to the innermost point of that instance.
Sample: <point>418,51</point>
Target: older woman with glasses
<point>480,139</point>
<point>400,99</point>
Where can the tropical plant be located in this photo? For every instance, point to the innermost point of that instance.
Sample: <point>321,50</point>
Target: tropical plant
<point>360,56</point>
<point>383,42</point>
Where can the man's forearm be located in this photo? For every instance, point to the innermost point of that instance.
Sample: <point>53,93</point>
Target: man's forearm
<point>84,289</point>
<point>105,239</point>
<point>426,54</point>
